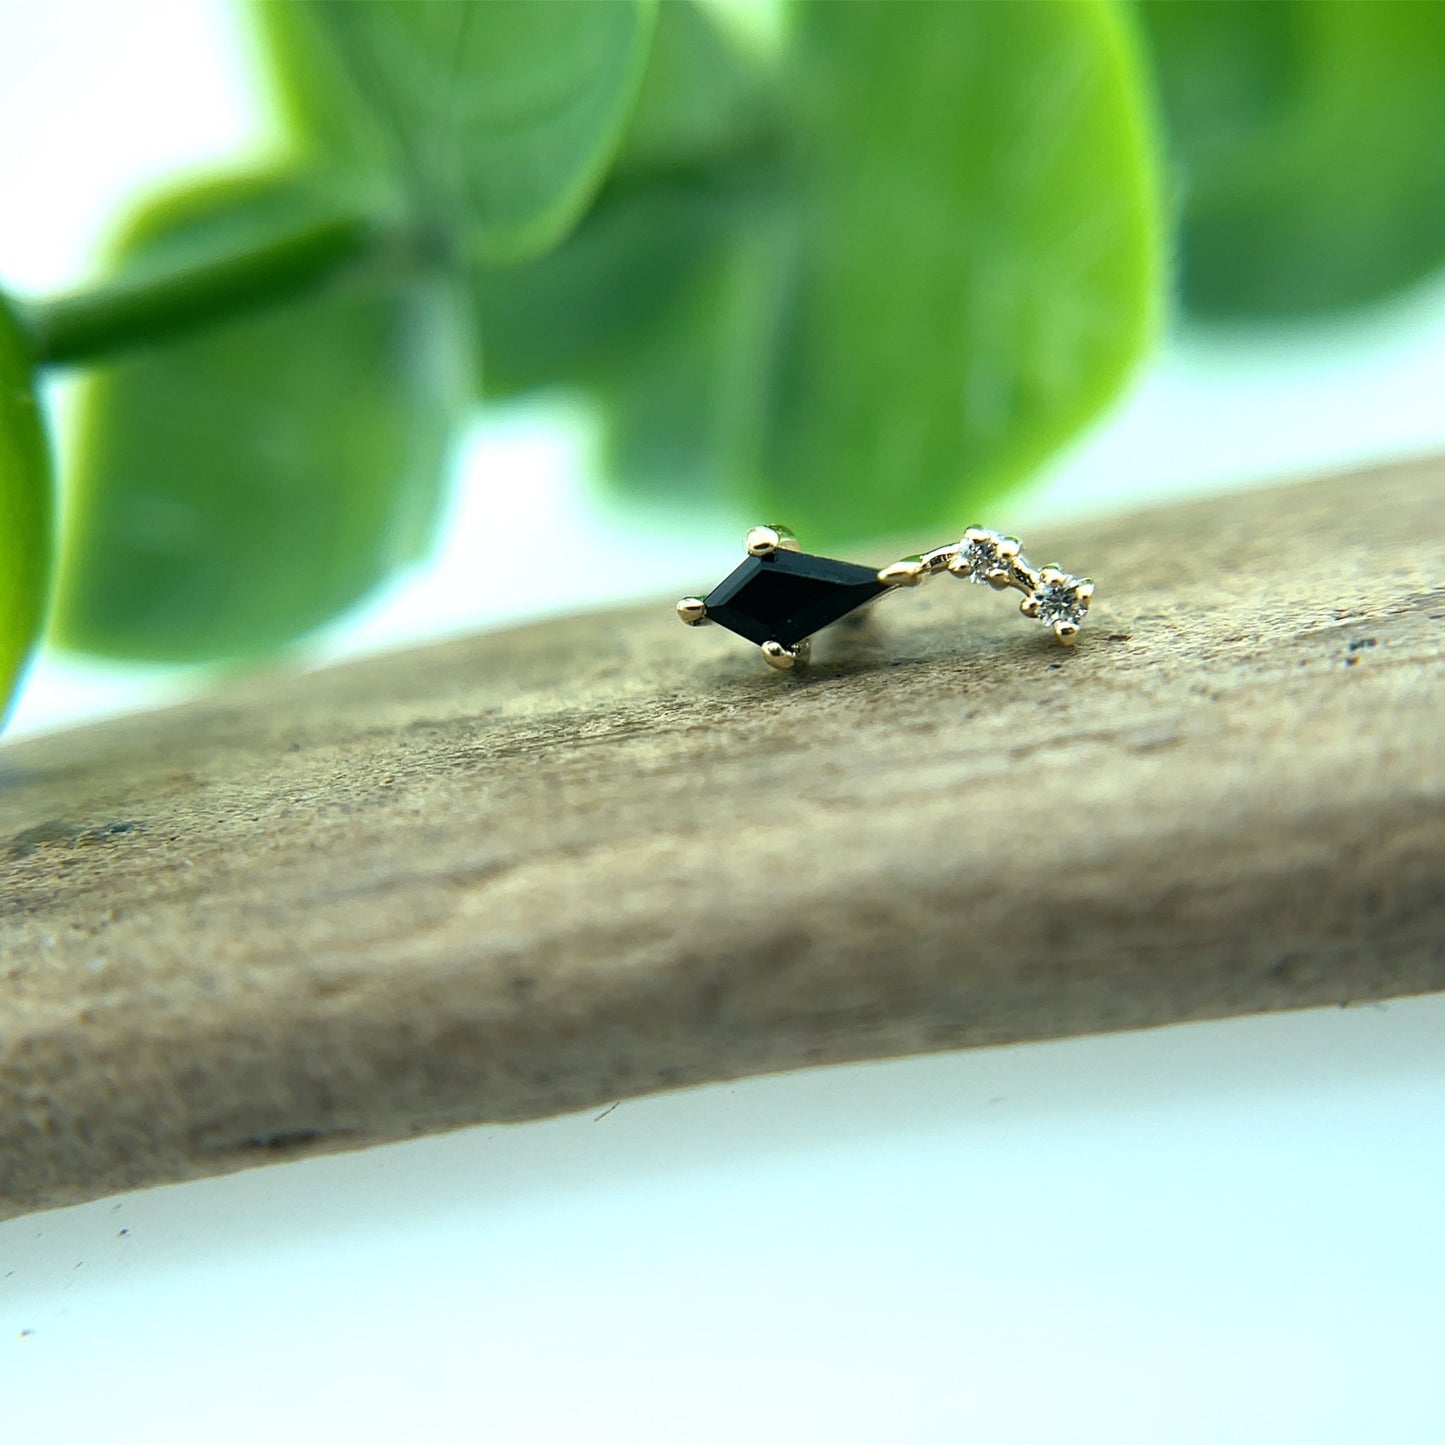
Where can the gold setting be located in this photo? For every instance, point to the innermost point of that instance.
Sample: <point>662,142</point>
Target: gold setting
<point>990,557</point>
<point>1052,596</point>
<point>764,541</point>
<point>785,659</point>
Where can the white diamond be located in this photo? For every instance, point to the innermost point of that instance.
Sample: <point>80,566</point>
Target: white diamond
<point>1060,598</point>
<point>981,554</point>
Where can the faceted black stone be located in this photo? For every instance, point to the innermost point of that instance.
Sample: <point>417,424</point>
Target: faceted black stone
<point>789,595</point>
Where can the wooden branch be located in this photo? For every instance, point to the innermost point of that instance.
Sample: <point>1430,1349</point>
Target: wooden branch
<point>549,868</point>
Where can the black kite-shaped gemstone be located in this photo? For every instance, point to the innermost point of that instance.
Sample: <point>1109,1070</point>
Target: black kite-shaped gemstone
<point>788,596</point>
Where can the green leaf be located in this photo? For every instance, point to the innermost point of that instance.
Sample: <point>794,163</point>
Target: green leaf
<point>947,269</point>
<point>584,308</point>
<point>235,489</point>
<point>661,309</point>
<point>682,415</point>
<point>612,295</point>
<point>1308,142</point>
<point>500,117</point>
<point>944,272</point>
<point>978,255</point>
<point>704,95</point>
<point>25,510</point>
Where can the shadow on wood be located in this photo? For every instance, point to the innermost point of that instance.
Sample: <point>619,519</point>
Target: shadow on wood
<point>541,870</point>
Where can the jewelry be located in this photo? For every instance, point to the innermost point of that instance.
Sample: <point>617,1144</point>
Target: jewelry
<point>780,596</point>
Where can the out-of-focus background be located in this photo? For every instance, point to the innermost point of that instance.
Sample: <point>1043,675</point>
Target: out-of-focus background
<point>1218,1232</point>
<point>114,104</point>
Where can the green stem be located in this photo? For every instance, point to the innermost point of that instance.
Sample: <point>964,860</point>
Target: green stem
<point>93,325</point>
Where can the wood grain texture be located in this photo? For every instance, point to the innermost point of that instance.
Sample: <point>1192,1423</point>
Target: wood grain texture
<point>548,868</point>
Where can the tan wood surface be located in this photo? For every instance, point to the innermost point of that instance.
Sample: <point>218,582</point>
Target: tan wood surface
<point>548,868</point>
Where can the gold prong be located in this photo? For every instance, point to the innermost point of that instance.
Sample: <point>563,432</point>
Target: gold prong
<point>763,541</point>
<point>999,579</point>
<point>1066,632</point>
<point>1029,606</point>
<point>1053,573</point>
<point>776,655</point>
<point>693,611</point>
<point>907,572</point>
<point>1086,592</point>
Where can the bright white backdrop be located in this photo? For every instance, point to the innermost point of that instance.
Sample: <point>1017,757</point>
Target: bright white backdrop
<point>1222,1232</point>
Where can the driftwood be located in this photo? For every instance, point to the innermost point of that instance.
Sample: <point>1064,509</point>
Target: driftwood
<point>552,867</point>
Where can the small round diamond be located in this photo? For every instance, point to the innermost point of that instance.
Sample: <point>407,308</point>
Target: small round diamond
<point>1060,598</point>
<point>984,557</point>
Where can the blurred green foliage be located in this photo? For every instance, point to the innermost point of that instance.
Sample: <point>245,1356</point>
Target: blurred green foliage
<point>1309,141</point>
<point>862,275</point>
<point>897,312</point>
<point>496,118</point>
<point>974,261</point>
<point>25,508</point>
<point>244,483</point>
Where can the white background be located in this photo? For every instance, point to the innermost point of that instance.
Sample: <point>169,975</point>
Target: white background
<point>1221,1232</point>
